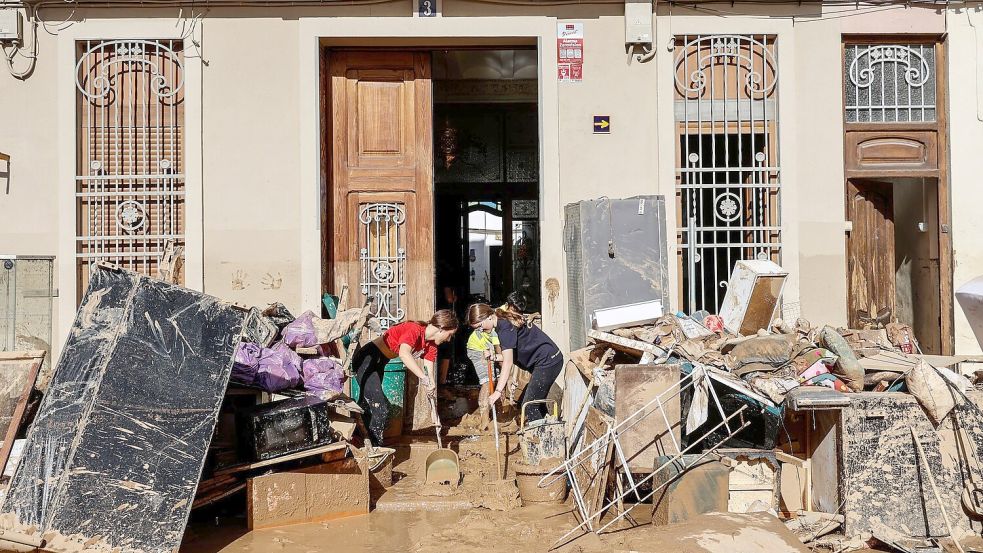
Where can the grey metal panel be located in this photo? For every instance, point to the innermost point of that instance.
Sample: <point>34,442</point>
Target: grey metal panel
<point>616,255</point>
<point>575,276</point>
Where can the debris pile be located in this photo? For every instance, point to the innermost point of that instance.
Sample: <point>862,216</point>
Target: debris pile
<point>852,436</point>
<point>166,401</point>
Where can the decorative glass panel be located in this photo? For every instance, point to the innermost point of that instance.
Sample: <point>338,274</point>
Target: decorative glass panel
<point>525,262</point>
<point>522,166</point>
<point>382,256</point>
<point>887,83</point>
<point>130,166</point>
<point>525,209</point>
<point>728,173</point>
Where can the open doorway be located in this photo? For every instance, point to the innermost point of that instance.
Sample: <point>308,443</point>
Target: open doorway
<point>486,186</point>
<point>894,262</point>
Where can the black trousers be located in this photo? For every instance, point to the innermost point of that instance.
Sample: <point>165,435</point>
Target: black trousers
<point>369,365</point>
<point>539,385</point>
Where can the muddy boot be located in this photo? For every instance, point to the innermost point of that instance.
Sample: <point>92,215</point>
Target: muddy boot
<point>484,415</point>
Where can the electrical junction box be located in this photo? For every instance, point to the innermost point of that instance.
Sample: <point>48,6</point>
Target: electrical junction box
<point>638,22</point>
<point>11,25</point>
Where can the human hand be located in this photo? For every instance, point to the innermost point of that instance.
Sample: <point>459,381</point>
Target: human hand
<point>428,383</point>
<point>495,396</point>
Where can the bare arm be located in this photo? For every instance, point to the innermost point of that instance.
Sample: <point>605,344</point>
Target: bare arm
<point>406,356</point>
<point>503,377</point>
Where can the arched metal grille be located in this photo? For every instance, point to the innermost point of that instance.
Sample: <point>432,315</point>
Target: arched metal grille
<point>728,174</point>
<point>889,83</point>
<point>130,163</point>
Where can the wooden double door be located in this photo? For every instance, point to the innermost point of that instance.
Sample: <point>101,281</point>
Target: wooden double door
<point>378,199</point>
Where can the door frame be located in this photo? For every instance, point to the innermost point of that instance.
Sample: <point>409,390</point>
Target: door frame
<point>317,32</point>
<point>326,190</point>
<point>933,138</point>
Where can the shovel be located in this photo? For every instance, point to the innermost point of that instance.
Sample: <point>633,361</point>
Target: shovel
<point>442,466</point>
<point>491,390</point>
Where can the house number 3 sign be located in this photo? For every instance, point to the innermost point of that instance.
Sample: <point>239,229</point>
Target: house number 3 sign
<point>426,8</point>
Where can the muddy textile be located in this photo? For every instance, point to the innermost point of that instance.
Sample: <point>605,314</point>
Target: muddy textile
<point>120,439</point>
<point>369,364</point>
<point>848,367</point>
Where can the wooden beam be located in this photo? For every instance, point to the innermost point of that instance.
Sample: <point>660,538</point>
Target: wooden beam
<point>292,457</point>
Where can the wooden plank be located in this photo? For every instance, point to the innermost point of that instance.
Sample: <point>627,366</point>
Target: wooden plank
<point>15,390</point>
<point>946,260</point>
<point>618,342</point>
<point>592,475</point>
<point>25,355</point>
<point>649,437</point>
<point>217,495</point>
<point>292,457</point>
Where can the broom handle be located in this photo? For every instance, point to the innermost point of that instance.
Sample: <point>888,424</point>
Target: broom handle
<point>491,390</point>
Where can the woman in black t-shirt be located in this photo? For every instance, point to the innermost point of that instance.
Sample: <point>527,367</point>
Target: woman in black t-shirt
<point>524,344</point>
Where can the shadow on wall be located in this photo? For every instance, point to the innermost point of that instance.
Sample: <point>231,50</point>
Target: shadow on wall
<point>5,173</point>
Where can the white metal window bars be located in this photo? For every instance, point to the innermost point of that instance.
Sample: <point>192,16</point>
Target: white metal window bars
<point>700,377</point>
<point>129,181</point>
<point>382,258</point>
<point>886,83</point>
<point>728,173</point>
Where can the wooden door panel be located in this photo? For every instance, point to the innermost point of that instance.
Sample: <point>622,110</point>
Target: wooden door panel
<point>381,211</point>
<point>381,121</point>
<point>870,247</point>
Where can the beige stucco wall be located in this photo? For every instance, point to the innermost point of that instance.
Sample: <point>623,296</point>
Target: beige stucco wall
<point>253,166</point>
<point>966,136</point>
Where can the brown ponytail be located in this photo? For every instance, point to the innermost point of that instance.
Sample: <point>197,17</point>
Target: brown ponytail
<point>481,311</point>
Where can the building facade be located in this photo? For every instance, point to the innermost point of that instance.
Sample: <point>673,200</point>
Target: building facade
<point>284,152</point>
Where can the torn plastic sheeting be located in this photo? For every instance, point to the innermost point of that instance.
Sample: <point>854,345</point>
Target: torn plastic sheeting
<point>300,332</point>
<point>323,375</point>
<point>129,414</point>
<point>308,331</point>
<point>699,409</point>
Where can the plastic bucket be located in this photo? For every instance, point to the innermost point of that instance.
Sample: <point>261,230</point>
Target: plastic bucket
<point>527,478</point>
<point>394,388</point>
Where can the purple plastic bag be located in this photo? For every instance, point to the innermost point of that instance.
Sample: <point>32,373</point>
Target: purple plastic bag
<point>300,333</point>
<point>246,362</point>
<point>279,368</point>
<point>323,375</point>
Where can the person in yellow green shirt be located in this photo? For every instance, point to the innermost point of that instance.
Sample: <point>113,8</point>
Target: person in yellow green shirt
<point>481,347</point>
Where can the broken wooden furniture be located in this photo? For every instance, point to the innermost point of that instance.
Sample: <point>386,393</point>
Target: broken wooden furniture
<point>754,292</point>
<point>655,436</point>
<point>18,374</point>
<point>119,441</point>
<point>809,479</point>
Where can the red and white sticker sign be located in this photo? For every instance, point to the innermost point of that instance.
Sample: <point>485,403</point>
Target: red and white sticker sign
<point>570,51</point>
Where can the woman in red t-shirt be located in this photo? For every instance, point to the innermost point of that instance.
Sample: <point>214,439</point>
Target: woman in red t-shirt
<point>407,341</point>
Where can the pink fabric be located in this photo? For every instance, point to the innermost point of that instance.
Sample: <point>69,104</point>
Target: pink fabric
<point>714,323</point>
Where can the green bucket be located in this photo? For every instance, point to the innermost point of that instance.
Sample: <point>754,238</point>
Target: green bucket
<point>394,388</point>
